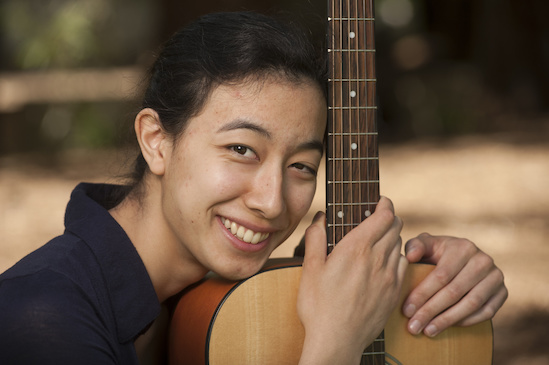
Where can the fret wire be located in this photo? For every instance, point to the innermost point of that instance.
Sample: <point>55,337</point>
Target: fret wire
<point>351,159</point>
<point>346,19</point>
<point>354,182</point>
<point>351,204</point>
<point>373,353</point>
<point>352,108</point>
<point>354,134</point>
<point>345,80</point>
<point>342,224</point>
<point>351,50</point>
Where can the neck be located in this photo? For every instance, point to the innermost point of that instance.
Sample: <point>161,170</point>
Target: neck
<point>170,267</point>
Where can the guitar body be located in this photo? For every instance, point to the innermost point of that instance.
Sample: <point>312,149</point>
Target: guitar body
<point>255,322</point>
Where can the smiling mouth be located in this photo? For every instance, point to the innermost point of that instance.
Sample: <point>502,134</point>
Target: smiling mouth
<point>243,233</point>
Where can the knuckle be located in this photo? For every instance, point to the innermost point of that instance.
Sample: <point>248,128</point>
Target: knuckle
<point>386,216</point>
<point>485,261</point>
<point>488,312</point>
<point>499,275</point>
<point>400,222</point>
<point>454,293</point>
<point>312,229</point>
<point>475,302</point>
<point>470,247</point>
<point>442,276</point>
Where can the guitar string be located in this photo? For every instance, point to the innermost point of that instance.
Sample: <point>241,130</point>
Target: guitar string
<point>356,114</point>
<point>375,138</point>
<point>358,150</point>
<point>361,103</point>
<point>332,116</point>
<point>349,115</point>
<point>341,116</point>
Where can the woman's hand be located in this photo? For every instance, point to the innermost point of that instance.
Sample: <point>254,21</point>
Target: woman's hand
<point>346,298</point>
<point>464,289</point>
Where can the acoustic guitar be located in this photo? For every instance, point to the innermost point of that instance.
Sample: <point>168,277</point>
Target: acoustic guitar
<point>255,322</point>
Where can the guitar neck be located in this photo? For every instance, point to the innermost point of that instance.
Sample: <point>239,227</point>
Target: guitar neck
<point>352,141</point>
<point>352,165</point>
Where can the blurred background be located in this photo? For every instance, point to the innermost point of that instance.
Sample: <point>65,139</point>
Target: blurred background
<point>463,89</point>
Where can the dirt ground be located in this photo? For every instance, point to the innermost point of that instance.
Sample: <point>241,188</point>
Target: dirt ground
<point>490,190</point>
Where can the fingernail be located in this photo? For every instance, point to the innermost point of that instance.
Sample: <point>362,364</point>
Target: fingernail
<point>415,327</point>
<point>410,250</point>
<point>431,330</point>
<point>317,216</point>
<point>409,310</point>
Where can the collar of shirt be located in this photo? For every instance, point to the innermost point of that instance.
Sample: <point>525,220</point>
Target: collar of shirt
<point>132,295</point>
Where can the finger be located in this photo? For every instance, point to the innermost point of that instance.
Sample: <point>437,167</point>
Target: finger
<point>424,247</point>
<point>399,261</point>
<point>478,305</point>
<point>451,264</point>
<point>376,226</point>
<point>390,245</point>
<point>488,310</point>
<point>315,242</point>
<point>470,289</point>
<point>415,249</point>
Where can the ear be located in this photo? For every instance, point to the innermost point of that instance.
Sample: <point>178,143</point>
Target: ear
<point>152,140</point>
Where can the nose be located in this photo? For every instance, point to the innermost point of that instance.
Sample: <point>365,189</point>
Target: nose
<point>266,193</point>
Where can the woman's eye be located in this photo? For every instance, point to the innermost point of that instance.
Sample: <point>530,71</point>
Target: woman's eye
<point>243,150</point>
<point>304,168</point>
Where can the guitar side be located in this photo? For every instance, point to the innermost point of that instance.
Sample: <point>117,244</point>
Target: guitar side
<point>255,322</point>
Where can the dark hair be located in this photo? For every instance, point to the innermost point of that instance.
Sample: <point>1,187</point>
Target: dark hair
<point>222,48</point>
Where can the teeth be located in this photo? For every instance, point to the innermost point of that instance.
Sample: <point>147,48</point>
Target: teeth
<point>244,234</point>
<point>234,228</point>
<point>256,238</point>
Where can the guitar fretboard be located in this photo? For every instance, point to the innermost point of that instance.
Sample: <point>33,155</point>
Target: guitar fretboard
<point>352,149</point>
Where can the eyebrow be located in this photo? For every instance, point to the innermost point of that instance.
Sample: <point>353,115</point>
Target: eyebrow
<point>312,145</point>
<point>243,124</point>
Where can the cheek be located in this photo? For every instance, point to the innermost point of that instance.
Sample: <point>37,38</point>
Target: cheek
<point>301,199</point>
<point>223,182</point>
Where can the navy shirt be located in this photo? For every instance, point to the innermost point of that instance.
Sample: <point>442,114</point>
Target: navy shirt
<point>83,297</point>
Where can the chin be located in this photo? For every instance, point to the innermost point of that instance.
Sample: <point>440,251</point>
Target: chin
<point>240,273</point>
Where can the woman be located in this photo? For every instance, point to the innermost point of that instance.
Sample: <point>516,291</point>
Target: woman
<point>231,134</point>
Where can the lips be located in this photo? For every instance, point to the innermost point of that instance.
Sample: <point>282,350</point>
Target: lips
<point>243,233</point>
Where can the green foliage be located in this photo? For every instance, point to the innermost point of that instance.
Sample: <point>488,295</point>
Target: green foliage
<point>54,33</point>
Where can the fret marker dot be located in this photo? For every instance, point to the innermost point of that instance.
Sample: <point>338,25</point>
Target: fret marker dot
<point>367,213</point>
<point>351,34</point>
<point>352,94</point>
<point>340,214</point>
<point>354,146</point>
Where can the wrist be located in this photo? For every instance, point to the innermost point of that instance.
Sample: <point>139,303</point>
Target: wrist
<point>328,352</point>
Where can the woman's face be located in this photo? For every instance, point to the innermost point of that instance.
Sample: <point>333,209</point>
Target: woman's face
<point>243,174</point>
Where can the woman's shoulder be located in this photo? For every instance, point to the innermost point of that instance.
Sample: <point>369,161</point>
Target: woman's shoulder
<point>45,314</point>
<point>58,279</point>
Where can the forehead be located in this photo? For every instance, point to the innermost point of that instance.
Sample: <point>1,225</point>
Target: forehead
<point>275,105</point>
